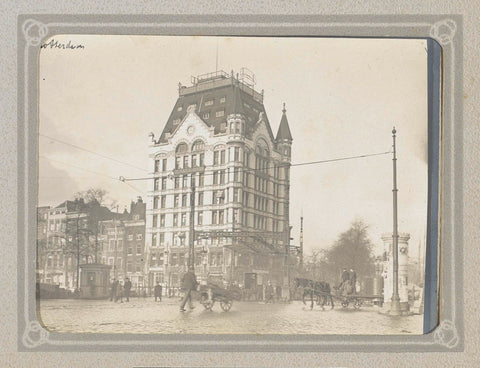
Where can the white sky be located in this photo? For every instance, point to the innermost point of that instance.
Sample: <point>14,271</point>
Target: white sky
<point>343,97</point>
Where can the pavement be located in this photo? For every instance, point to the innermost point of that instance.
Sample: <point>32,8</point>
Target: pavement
<point>144,315</point>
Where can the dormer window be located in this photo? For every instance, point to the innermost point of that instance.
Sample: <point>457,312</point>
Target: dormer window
<point>209,103</point>
<point>222,99</point>
<point>220,113</point>
<point>179,108</point>
<point>206,115</point>
<point>176,121</point>
<point>235,127</point>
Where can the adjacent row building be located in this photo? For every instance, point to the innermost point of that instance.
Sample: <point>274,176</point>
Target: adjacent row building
<point>67,235</point>
<point>123,244</point>
<point>76,233</point>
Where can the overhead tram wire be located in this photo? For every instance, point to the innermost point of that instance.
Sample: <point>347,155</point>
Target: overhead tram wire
<point>341,159</point>
<point>90,171</point>
<point>78,167</point>
<point>92,152</point>
<point>123,179</point>
<point>131,186</point>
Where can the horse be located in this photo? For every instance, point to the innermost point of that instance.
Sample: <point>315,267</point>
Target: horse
<point>323,292</point>
<point>316,290</point>
<point>308,289</point>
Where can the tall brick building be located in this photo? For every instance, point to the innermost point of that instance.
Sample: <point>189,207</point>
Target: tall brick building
<point>66,235</point>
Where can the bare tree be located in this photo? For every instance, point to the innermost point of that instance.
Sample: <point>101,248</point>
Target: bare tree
<point>92,195</point>
<point>353,249</point>
<point>94,198</point>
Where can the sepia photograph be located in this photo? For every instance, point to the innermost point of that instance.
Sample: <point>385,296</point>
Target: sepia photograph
<point>232,185</point>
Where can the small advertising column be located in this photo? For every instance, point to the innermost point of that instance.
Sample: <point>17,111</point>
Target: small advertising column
<point>402,270</point>
<point>94,281</point>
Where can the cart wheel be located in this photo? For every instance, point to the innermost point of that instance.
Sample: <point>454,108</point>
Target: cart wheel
<point>357,304</point>
<point>207,304</point>
<point>226,305</point>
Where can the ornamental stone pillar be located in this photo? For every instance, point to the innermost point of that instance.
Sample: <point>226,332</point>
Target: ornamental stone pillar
<point>402,270</point>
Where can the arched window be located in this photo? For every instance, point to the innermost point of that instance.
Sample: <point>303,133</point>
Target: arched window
<point>198,156</point>
<point>181,159</point>
<point>181,148</point>
<point>198,145</point>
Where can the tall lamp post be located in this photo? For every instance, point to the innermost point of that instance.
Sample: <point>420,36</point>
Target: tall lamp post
<point>115,246</point>
<point>395,307</point>
<point>191,237</point>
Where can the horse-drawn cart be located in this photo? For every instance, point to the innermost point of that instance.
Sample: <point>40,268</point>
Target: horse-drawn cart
<point>355,299</point>
<point>211,293</point>
<point>346,295</point>
<point>320,292</point>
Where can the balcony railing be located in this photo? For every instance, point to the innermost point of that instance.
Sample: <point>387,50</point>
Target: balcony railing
<point>189,170</point>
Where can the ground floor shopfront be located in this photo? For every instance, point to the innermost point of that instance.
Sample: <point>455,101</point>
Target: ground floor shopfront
<point>250,271</point>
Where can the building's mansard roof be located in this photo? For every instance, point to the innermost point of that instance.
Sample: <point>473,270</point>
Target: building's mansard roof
<point>207,95</point>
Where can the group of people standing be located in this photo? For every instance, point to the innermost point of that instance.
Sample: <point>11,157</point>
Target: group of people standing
<point>119,290</point>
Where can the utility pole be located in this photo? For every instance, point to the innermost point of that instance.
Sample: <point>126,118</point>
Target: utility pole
<point>395,307</point>
<point>191,237</point>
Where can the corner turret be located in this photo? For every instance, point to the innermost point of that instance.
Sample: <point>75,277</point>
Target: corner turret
<point>284,136</point>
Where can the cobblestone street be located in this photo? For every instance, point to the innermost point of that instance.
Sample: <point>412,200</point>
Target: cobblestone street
<point>143,315</point>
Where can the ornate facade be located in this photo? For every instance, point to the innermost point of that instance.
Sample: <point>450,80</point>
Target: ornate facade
<point>218,145</point>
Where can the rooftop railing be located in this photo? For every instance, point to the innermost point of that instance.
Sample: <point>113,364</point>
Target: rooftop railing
<point>217,79</point>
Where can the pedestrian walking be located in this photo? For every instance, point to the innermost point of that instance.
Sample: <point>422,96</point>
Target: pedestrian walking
<point>189,283</point>
<point>158,292</point>
<point>113,291</point>
<point>127,286</point>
